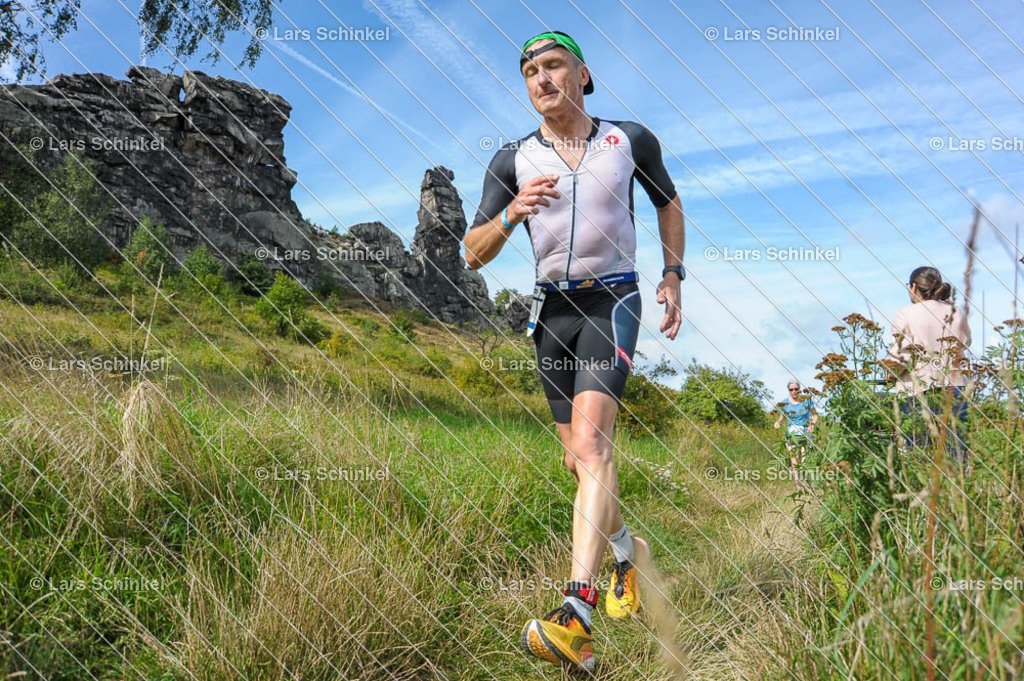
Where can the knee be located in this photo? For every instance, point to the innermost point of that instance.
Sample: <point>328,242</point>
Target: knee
<point>570,462</point>
<point>591,448</point>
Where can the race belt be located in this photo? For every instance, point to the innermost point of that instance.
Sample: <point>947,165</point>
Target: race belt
<point>593,282</point>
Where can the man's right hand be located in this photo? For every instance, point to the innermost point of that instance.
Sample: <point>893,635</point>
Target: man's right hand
<point>531,197</point>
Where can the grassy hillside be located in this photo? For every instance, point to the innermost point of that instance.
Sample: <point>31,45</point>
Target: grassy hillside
<point>379,505</point>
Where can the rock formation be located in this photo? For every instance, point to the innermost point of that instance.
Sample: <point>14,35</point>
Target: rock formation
<point>205,156</point>
<point>516,315</point>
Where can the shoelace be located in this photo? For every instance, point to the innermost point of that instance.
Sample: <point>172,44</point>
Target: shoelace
<point>562,615</point>
<point>619,570</point>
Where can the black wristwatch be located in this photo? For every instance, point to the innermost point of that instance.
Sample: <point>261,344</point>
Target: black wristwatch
<point>678,269</point>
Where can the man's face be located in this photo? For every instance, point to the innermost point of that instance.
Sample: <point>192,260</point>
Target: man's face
<point>554,79</point>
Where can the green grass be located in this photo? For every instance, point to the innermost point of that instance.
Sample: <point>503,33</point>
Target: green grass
<point>429,572</point>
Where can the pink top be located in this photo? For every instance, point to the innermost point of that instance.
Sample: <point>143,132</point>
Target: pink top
<point>924,324</point>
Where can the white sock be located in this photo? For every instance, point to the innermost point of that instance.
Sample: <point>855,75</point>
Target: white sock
<point>582,608</point>
<point>622,545</point>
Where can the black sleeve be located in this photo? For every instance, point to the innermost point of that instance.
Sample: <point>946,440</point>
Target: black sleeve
<point>650,169</point>
<point>500,186</point>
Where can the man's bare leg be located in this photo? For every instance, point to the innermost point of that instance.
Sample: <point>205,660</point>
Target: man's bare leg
<point>596,512</point>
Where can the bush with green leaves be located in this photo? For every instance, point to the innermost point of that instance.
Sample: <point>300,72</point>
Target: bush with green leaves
<point>647,405</point>
<point>284,306</point>
<point>339,344</point>
<point>68,277</point>
<point>202,270</point>
<point>403,326</point>
<point>517,369</point>
<point>477,378</point>
<point>65,219</point>
<point>721,395</point>
<point>26,285</point>
<point>433,363</point>
<point>251,274</point>
<point>147,257</point>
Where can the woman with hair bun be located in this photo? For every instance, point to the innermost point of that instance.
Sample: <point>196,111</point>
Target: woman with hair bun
<point>930,336</point>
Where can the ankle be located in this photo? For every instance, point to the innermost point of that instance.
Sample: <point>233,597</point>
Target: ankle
<point>582,598</point>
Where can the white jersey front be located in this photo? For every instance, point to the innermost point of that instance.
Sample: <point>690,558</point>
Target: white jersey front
<point>589,230</point>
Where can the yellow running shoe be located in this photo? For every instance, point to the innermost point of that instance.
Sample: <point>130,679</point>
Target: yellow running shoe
<point>560,638</point>
<point>623,597</point>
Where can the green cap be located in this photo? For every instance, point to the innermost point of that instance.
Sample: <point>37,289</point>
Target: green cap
<point>561,40</point>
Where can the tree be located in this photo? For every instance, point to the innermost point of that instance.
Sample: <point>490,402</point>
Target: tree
<point>21,180</point>
<point>21,29</point>
<point>721,395</point>
<point>183,26</point>
<point>284,306</point>
<point>202,270</point>
<point>251,274</point>
<point>503,298</point>
<point>60,225</point>
<point>148,253</point>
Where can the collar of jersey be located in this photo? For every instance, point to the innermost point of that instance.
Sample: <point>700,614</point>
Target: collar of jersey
<point>593,133</point>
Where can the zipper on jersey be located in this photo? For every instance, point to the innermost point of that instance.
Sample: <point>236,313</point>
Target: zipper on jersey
<point>572,220</point>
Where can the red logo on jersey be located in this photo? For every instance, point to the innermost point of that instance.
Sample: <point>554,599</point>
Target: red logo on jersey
<point>612,139</point>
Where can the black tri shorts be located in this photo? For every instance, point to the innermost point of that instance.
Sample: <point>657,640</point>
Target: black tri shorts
<point>585,340</point>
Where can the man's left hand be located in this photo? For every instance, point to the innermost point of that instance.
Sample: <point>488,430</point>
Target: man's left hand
<point>670,296</point>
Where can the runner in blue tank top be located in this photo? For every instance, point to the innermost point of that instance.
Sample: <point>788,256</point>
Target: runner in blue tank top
<point>800,416</point>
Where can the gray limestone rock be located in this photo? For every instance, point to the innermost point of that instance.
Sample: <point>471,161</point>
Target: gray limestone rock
<point>205,156</point>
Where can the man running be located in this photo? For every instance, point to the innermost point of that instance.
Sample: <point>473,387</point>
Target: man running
<point>570,183</point>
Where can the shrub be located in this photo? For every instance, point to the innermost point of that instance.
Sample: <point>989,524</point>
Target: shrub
<point>202,269</point>
<point>645,410</point>
<point>23,284</point>
<point>518,372</point>
<point>473,379</point>
<point>284,306</point>
<point>147,255</point>
<point>339,344</point>
<point>393,352</point>
<point>721,395</point>
<point>68,276</point>
<point>435,364</point>
<point>403,327</point>
<point>19,175</point>
<point>64,235</point>
<point>251,274</point>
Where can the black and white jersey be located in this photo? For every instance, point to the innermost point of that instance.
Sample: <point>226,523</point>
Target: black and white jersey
<point>589,231</point>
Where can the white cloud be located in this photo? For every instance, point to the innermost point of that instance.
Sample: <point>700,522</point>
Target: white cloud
<point>305,61</point>
<point>457,56</point>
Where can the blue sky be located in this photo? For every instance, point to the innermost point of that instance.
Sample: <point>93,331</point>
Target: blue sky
<point>841,143</point>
